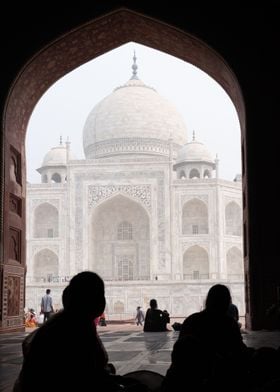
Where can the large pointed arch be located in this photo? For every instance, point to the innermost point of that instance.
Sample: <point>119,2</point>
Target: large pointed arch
<point>45,68</point>
<point>119,240</point>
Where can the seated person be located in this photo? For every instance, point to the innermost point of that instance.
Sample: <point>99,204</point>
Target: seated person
<point>30,320</point>
<point>155,320</point>
<point>234,313</point>
<point>69,346</point>
<point>209,349</point>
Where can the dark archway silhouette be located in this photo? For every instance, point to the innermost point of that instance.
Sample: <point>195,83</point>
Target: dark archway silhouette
<point>45,68</point>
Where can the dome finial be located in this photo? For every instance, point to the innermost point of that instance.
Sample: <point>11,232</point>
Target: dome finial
<point>134,68</point>
<point>193,136</point>
<point>60,140</point>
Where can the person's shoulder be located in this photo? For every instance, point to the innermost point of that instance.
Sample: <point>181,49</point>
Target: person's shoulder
<point>194,316</point>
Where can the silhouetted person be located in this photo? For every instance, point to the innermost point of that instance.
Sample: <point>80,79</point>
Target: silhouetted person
<point>155,319</point>
<point>65,353</point>
<point>215,337</point>
<point>213,325</point>
<point>191,366</point>
<point>166,316</point>
<point>234,312</point>
<point>27,341</point>
<point>140,318</point>
<point>47,305</point>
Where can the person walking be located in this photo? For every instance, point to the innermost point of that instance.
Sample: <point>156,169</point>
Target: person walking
<point>139,316</point>
<point>46,305</point>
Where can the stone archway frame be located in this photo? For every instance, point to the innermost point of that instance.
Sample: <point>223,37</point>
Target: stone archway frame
<point>61,56</point>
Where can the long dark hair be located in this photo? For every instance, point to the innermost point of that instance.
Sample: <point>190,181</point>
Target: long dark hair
<point>218,299</point>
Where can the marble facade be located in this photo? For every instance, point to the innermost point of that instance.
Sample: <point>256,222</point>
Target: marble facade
<point>146,210</point>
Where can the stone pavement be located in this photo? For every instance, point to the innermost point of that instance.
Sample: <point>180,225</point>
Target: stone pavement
<point>129,349</point>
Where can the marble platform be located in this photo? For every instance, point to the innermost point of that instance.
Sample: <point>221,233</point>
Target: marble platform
<point>129,349</point>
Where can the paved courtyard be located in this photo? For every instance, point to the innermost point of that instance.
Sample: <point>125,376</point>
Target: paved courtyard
<point>129,349</point>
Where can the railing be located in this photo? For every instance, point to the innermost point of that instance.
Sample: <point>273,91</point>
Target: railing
<point>64,279</point>
<point>48,279</point>
<point>235,276</point>
<point>213,276</point>
<point>196,276</point>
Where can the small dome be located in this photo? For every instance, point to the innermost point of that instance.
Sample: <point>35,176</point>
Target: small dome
<point>194,152</point>
<point>57,156</point>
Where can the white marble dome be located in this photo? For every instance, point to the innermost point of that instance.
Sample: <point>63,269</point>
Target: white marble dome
<point>134,119</point>
<point>194,152</point>
<point>57,156</point>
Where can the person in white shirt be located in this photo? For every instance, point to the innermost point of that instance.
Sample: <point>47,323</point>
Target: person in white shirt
<point>46,305</point>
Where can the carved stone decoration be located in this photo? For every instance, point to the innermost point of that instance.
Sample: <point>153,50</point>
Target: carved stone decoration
<point>45,245</point>
<point>118,307</point>
<point>125,159</point>
<point>36,202</point>
<point>15,166</point>
<point>237,244</point>
<point>14,244</point>
<point>13,295</point>
<point>228,199</point>
<point>140,192</point>
<point>189,244</point>
<point>15,204</point>
<point>186,198</point>
<point>126,145</point>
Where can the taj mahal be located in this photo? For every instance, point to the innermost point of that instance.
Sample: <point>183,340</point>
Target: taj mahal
<point>146,210</point>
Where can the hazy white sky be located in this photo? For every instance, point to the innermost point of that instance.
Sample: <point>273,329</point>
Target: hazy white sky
<point>204,105</point>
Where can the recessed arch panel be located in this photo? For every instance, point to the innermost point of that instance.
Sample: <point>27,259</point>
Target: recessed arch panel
<point>194,217</point>
<point>45,265</point>
<point>120,240</point>
<point>196,263</point>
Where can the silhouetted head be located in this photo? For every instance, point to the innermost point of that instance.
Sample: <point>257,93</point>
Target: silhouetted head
<point>65,295</point>
<point>153,303</point>
<point>218,299</point>
<point>48,291</point>
<point>85,295</point>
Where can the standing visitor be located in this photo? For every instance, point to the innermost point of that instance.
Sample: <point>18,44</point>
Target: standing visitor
<point>46,305</point>
<point>139,316</point>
